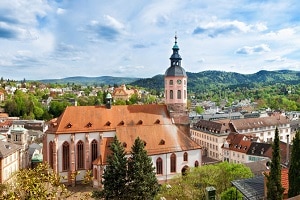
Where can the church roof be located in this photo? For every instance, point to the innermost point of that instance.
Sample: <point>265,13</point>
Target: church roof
<point>78,119</point>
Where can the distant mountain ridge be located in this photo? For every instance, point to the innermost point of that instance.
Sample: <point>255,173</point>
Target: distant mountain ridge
<point>196,81</point>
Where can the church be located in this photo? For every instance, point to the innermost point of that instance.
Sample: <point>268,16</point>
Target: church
<point>79,139</point>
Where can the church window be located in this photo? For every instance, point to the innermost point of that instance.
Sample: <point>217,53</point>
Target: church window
<point>185,156</point>
<point>184,94</point>
<point>66,156</point>
<point>94,148</point>
<point>51,154</point>
<point>171,94</point>
<point>173,163</point>
<point>159,167</point>
<point>80,155</point>
<point>178,94</point>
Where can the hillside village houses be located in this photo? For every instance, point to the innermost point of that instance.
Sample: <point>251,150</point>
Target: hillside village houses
<point>80,138</point>
<point>212,135</point>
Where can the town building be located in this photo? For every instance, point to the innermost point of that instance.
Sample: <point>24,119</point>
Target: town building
<point>79,139</point>
<point>122,93</point>
<point>212,135</point>
<point>9,160</point>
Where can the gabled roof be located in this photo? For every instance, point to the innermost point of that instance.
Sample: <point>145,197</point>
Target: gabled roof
<point>259,149</point>
<point>77,119</point>
<point>219,127</point>
<point>250,123</point>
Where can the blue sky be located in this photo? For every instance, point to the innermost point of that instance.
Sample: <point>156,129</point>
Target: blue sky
<point>41,39</point>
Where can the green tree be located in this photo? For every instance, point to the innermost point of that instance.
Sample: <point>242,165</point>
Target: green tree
<point>142,182</point>
<point>192,186</point>
<point>114,177</point>
<point>37,183</point>
<point>274,186</point>
<point>294,172</point>
<point>199,109</point>
<point>231,193</point>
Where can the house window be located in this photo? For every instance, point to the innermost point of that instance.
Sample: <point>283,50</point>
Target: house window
<point>173,163</point>
<point>66,156</point>
<point>51,154</point>
<point>80,155</point>
<point>159,167</point>
<point>184,94</point>
<point>171,94</point>
<point>171,82</point>
<point>196,164</point>
<point>94,148</point>
<point>178,94</point>
<point>185,156</point>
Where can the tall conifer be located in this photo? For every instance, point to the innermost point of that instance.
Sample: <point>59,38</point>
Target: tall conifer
<point>114,176</point>
<point>141,176</point>
<point>274,186</point>
<point>294,172</point>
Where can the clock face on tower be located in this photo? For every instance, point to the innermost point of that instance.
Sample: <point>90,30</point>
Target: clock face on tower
<point>179,81</point>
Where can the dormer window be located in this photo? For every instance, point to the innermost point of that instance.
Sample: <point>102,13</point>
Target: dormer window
<point>122,123</point>
<point>124,145</point>
<point>108,123</point>
<point>162,142</point>
<point>157,121</point>
<point>140,122</point>
<point>69,125</point>
<point>145,143</point>
<point>89,124</point>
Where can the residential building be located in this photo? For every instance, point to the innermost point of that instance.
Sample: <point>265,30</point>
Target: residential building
<point>9,160</point>
<point>263,127</point>
<point>211,136</point>
<point>122,93</point>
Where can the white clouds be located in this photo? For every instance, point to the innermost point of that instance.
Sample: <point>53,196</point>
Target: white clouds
<point>218,27</point>
<point>118,38</point>
<point>262,48</point>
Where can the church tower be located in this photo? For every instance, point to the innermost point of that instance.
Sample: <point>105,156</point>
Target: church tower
<point>176,88</point>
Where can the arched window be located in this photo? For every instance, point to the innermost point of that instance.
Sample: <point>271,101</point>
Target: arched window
<point>80,155</point>
<point>178,94</point>
<point>51,154</point>
<point>94,149</point>
<point>66,156</point>
<point>171,94</point>
<point>166,95</point>
<point>159,167</point>
<point>196,163</point>
<point>173,163</point>
<point>185,156</point>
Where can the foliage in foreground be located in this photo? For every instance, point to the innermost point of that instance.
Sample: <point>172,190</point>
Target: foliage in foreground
<point>132,179</point>
<point>274,186</point>
<point>294,172</point>
<point>37,183</point>
<point>193,185</point>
